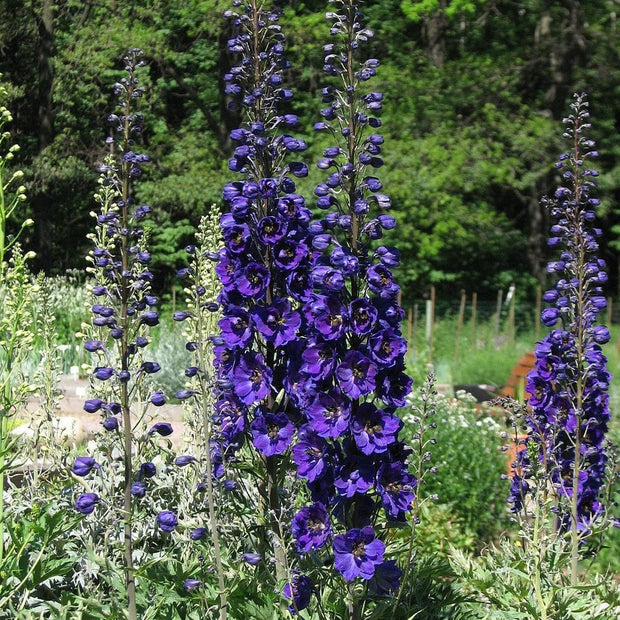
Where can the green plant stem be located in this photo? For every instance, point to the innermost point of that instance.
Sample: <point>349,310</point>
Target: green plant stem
<point>352,603</point>
<point>275,509</point>
<point>206,427</point>
<point>130,581</point>
<point>4,432</point>
<point>4,437</point>
<point>535,548</point>
<point>579,387</point>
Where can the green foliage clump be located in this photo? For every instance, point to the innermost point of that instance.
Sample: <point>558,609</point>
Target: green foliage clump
<point>469,464</point>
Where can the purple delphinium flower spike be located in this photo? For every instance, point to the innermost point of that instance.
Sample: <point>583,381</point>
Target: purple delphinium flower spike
<point>569,401</point>
<point>353,353</point>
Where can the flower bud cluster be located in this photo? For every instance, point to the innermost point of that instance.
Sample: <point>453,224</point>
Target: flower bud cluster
<point>569,402</point>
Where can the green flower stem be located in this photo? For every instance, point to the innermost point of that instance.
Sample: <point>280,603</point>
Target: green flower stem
<point>130,582</point>
<point>536,543</point>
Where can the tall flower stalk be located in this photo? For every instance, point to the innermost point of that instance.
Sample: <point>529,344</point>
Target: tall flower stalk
<point>569,403</point>
<point>264,265</point>
<point>123,313</point>
<point>352,370</point>
<point>16,315</point>
<point>202,288</point>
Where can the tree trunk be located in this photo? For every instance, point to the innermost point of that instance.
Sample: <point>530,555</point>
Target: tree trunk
<point>42,209</point>
<point>561,39</point>
<point>435,30</point>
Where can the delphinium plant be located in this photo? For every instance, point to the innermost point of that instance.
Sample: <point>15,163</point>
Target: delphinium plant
<point>352,364</point>
<point>121,524</point>
<point>201,318</point>
<point>263,270</point>
<point>569,387</point>
<point>309,356</point>
<point>561,473</point>
<point>31,522</point>
<point>16,313</point>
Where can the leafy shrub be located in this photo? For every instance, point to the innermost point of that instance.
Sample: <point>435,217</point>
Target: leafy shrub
<point>469,465</point>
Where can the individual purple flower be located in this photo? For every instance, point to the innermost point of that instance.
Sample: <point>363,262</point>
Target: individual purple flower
<point>311,527</point>
<point>299,592</point>
<point>363,316</point>
<point>386,579</point>
<point>167,520</point>
<point>357,553</point>
<point>238,238</point>
<point>103,373</point>
<point>272,433</point>
<point>253,559</point>
<point>83,465</point>
<point>192,584</point>
<point>184,460</point>
<point>253,280</point>
<point>288,254</point>
<point>311,454</point>
<point>329,414</point>
<point>396,488</point>
<point>185,393</point>
<point>161,428</point>
<point>150,367</point>
<point>277,323</point>
<point>355,475</point>
<point>147,470</point>
<point>386,347</point>
<point>252,378</point>
<point>329,316</point>
<point>374,429</point>
<point>158,398</point>
<point>319,360</point>
<point>356,374</point>
<point>236,328</point>
<point>381,281</point>
<point>86,502</point>
<point>138,489</point>
<point>198,533</point>
<point>270,229</point>
<point>110,423</point>
<point>93,405</point>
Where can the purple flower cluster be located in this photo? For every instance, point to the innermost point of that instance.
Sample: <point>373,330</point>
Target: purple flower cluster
<point>267,256</point>
<point>310,357</point>
<point>569,401</point>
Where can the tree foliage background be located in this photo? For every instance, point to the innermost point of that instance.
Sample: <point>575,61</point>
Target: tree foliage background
<point>474,93</point>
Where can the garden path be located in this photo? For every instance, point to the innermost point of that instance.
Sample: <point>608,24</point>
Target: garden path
<point>77,426</point>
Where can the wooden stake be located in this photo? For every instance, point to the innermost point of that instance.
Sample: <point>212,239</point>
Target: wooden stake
<point>459,326</point>
<point>474,308</point>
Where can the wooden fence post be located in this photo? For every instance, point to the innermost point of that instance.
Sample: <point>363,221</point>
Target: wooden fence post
<point>430,321</point>
<point>498,312</point>
<point>459,326</point>
<point>474,307</point>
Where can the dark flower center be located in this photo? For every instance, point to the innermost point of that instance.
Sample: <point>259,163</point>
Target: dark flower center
<point>332,412</point>
<point>335,320</point>
<point>359,549</point>
<point>316,526</point>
